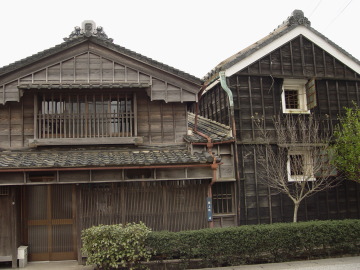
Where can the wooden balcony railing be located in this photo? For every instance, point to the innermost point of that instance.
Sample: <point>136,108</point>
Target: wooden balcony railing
<point>92,125</point>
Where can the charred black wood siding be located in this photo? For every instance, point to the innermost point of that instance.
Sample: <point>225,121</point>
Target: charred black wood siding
<point>257,92</point>
<point>301,58</point>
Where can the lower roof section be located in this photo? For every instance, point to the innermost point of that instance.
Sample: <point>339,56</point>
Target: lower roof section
<point>100,158</point>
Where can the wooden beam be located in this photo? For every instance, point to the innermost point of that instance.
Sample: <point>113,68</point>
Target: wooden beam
<point>81,141</point>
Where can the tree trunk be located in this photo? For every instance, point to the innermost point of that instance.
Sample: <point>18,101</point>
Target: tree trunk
<point>296,209</point>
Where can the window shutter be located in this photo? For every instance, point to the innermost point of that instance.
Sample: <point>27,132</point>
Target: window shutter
<point>311,94</point>
<point>327,168</point>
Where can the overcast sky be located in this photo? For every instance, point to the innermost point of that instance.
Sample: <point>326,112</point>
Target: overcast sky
<point>190,35</point>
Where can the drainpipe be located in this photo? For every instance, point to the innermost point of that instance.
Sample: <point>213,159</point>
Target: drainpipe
<point>233,126</point>
<point>209,144</point>
<point>214,165</point>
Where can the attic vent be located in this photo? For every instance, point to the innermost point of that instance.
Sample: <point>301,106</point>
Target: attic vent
<point>4,191</point>
<point>88,29</point>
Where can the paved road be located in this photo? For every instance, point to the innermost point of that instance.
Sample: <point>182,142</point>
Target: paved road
<point>346,263</point>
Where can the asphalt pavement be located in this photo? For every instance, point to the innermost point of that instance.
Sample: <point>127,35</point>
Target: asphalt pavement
<point>344,263</point>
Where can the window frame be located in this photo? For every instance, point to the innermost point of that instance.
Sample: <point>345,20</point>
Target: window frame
<point>308,166</point>
<point>298,85</point>
<point>128,133</point>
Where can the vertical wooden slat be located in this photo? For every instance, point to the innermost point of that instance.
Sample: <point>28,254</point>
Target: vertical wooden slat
<point>60,72</point>
<point>37,118</point>
<point>86,117</point>
<point>78,122</point>
<point>251,107</point>
<point>74,68</point>
<point>256,187</point>
<point>328,104</point>
<point>281,61</point>
<point>314,58</point>
<point>338,96</point>
<point>22,124</point>
<point>71,118</point>
<point>292,58</point>
<point>302,55</point>
<point>88,67</point>
<point>325,67</point>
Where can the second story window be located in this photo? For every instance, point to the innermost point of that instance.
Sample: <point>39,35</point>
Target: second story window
<point>85,116</point>
<point>298,96</point>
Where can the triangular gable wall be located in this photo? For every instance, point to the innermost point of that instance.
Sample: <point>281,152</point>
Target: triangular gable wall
<point>300,57</point>
<point>272,43</point>
<point>90,69</point>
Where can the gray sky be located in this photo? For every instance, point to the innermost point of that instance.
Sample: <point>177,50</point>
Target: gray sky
<point>190,35</point>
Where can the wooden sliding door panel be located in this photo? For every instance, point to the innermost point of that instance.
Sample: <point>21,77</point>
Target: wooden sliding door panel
<point>51,215</point>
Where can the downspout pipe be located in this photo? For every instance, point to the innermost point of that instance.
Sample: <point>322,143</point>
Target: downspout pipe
<point>226,88</point>
<point>214,166</point>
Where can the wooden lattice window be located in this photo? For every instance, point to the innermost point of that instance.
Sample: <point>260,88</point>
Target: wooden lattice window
<point>85,115</point>
<point>4,191</point>
<point>291,99</point>
<point>222,198</point>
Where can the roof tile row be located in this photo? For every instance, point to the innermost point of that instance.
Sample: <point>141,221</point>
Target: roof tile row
<point>89,158</point>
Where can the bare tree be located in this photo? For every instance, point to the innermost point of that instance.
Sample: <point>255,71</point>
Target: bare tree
<point>294,157</point>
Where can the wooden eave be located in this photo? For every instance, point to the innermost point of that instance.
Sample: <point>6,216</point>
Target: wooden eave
<point>273,41</point>
<point>13,74</point>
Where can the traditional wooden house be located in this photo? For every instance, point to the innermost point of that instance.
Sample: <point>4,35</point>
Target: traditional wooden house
<point>272,77</point>
<point>92,133</point>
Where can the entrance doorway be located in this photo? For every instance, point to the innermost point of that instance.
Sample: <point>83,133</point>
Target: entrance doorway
<point>51,231</point>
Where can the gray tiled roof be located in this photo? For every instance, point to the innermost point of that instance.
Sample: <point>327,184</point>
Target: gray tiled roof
<point>97,158</point>
<point>215,130</point>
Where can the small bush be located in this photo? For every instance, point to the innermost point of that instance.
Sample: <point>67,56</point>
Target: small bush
<point>111,246</point>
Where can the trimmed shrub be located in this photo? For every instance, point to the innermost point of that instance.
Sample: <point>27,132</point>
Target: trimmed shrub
<point>113,246</point>
<point>259,243</point>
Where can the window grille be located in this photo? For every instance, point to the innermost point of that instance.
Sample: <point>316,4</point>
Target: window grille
<point>291,99</point>
<point>222,198</point>
<point>85,116</point>
<point>4,191</point>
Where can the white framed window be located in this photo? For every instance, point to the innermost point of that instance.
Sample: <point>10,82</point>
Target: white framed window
<point>300,166</point>
<point>293,97</point>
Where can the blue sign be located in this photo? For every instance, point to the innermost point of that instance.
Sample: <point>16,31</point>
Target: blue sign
<point>209,209</point>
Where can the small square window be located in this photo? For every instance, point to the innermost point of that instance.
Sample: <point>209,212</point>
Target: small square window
<point>299,166</point>
<point>293,96</point>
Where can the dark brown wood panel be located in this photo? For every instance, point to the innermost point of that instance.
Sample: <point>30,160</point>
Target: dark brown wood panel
<point>51,229</point>
<point>170,205</point>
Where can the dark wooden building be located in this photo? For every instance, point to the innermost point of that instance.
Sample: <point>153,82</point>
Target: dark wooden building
<point>93,133</point>
<point>269,78</point>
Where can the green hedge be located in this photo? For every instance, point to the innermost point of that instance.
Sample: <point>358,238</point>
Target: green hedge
<point>259,243</point>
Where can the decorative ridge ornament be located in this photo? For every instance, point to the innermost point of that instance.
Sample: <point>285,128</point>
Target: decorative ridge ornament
<point>88,29</point>
<point>297,18</point>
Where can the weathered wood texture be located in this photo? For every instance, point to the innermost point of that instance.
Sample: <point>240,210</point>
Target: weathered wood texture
<point>172,205</point>
<point>88,68</point>
<point>259,204</point>
<point>5,225</point>
<point>257,93</point>
<point>157,121</point>
<point>9,224</point>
